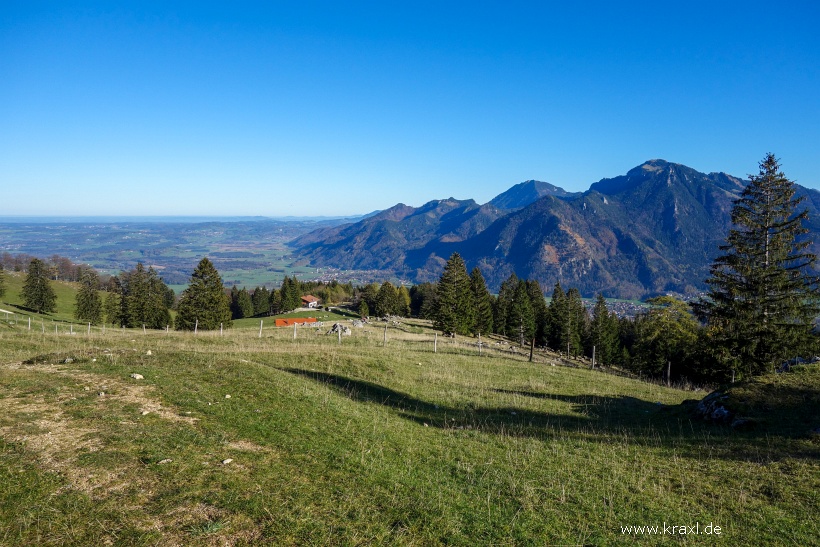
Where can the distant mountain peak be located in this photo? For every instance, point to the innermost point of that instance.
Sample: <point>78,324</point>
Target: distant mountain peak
<point>654,165</point>
<point>527,192</point>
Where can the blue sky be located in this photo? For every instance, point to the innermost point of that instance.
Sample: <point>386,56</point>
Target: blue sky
<point>336,108</point>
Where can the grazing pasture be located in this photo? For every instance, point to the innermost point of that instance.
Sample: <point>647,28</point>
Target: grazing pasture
<point>239,439</point>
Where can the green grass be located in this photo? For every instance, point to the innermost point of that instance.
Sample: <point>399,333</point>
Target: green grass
<point>12,302</point>
<point>363,444</point>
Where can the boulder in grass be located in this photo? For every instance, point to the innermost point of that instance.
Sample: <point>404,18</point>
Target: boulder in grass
<point>136,376</point>
<point>711,408</point>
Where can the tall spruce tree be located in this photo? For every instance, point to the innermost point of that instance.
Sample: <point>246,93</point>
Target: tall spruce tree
<point>236,309</point>
<point>290,294</point>
<point>113,302</point>
<point>576,321</point>
<point>204,302</point>
<point>2,282</point>
<point>483,302</point>
<point>261,300</point>
<point>111,307</point>
<point>275,301</point>
<point>455,313</point>
<point>37,293</point>
<point>557,319</point>
<point>502,324</point>
<point>521,317</point>
<point>603,334</point>
<point>87,303</point>
<point>539,310</point>
<point>245,303</point>
<point>764,294</point>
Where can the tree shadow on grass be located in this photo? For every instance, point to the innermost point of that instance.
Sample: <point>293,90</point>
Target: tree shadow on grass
<point>591,415</point>
<point>604,419</point>
<point>25,309</point>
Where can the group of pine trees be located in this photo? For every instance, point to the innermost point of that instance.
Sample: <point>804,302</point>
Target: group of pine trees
<point>461,304</point>
<point>383,300</point>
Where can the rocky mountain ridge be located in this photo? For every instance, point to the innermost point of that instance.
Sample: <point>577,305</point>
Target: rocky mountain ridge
<point>655,229</point>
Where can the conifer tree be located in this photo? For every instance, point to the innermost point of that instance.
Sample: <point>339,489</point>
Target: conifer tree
<point>403,308</point>
<point>521,318</point>
<point>364,310</point>
<point>539,310</point>
<point>764,294</point>
<point>204,301</point>
<point>483,302</point>
<point>603,334</point>
<point>423,300</point>
<point>368,295</point>
<point>236,310</point>
<point>261,298</point>
<point>290,294</point>
<point>2,282</point>
<point>455,313</point>
<point>245,303</point>
<point>576,321</point>
<point>276,301</point>
<point>144,299</point>
<point>387,300</point>
<point>87,304</point>
<point>666,335</point>
<point>506,296</point>
<point>111,307</point>
<point>37,293</point>
<point>557,319</point>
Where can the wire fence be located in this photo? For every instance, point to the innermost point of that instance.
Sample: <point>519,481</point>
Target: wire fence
<point>417,335</point>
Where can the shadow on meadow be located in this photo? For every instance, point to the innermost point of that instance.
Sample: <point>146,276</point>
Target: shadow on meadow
<point>592,414</point>
<point>604,419</point>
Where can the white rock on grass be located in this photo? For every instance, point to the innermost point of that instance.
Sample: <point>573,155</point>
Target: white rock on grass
<point>226,461</point>
<point>227,396</point>
<point>146,412</point>
<point>148,352</point>
<point>136,376</point>
<point>166,460</point>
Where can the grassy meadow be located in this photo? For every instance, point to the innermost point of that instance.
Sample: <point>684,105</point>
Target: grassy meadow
<point>241,439</point>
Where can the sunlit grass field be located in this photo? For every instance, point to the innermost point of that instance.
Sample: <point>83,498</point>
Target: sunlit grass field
<point>389,436</point>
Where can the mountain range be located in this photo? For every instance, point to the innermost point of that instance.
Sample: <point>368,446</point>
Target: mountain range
<point>654,230</point>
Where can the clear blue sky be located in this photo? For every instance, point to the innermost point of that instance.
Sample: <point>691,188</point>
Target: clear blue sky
<point>197,108</point>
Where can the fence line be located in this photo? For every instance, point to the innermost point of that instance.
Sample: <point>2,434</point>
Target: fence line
<point>372,334</point>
